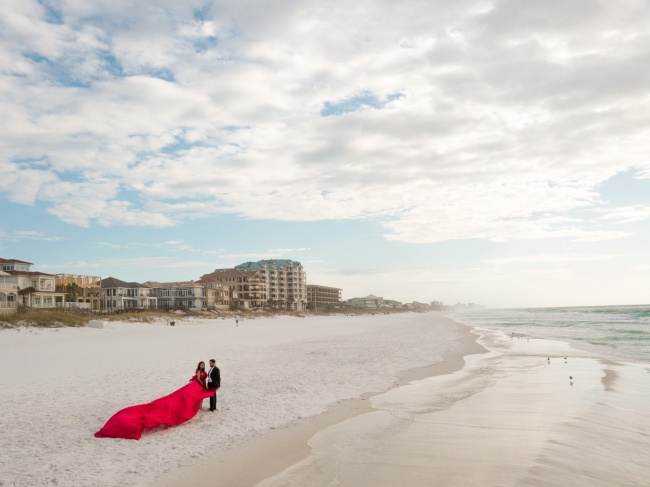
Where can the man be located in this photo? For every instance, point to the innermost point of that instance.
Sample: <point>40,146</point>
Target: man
<point>214,382</point>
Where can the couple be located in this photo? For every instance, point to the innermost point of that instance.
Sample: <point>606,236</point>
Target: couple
<point>171,410</point>
<point>212,383</point>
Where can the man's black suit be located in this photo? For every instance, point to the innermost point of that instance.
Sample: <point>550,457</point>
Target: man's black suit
<point>214,383</point>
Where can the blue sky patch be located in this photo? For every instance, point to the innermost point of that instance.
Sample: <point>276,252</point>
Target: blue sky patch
<point>356,103</point>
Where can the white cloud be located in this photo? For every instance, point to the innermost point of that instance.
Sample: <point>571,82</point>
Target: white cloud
<point>549,259</point>
<point>506,121</point>
<point>628,214</point>
<point>68,265</point>
<point>18,235</point>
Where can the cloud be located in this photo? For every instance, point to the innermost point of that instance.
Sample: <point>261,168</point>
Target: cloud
<point>549,259</point>
<point>628,214</point>
<point>68,265</point>
<point>455,120</point>
<point>18,235</point>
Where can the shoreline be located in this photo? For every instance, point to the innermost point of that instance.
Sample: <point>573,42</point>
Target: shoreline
<point>521,414</point>
<point>275,450</point>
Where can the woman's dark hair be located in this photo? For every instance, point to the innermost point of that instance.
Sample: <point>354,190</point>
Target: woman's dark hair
<point>199,366</point>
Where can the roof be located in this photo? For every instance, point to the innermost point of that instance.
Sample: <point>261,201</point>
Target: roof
<point>172,284</point>
<point>274,264</point>
<point>14,261</point>
<point>220,273</point>
<point>30,273</point>
<point>113,282</point>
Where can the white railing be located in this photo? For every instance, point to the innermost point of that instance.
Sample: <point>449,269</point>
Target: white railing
<point>7,304</point>
<point>5,286</point>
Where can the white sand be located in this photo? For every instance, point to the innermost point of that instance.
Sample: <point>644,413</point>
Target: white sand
<point>509,418</point>
<point>60,386</point>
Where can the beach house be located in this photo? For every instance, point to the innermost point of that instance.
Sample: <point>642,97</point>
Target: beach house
<point>34,289</point>
<point>83,292</point>
<point>8,292</point>
<point>119,295</point>
<point>371,301</point>
<point>186,294</point>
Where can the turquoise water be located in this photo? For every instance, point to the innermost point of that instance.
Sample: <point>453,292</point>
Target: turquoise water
<point>615,331</point>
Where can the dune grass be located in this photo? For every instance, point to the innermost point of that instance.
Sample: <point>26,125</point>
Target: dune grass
<point>57,318</point>
<point>43,319</point>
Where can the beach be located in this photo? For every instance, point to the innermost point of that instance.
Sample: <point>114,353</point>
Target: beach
<point>403,399</point>
<point>61,385</point>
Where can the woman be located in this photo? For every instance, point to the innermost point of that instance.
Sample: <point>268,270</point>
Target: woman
<point>200,375</point>
<point>172,410</point>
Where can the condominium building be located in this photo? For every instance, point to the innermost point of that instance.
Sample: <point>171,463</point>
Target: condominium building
<point>118,295</point>
<point>285,279</point>
<point>81,291</point>
<point>245,288</point>
<point>322,297</point>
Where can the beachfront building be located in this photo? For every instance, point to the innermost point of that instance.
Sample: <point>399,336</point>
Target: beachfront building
<point>285,279</point>
<point>188,294</point>
<point>34,289</point>
<point>371,302</point>
<point>245,289</point>
<point>118,295</point>
<point>83,292</point>
<point>8,293</point>
<point>420,306</point>
<point>323,297</point>
<point>391,303</point>
<point>217,296</point>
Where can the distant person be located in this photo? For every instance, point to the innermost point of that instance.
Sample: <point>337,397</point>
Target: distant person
<point>237,322</point>
<point>214,383</point>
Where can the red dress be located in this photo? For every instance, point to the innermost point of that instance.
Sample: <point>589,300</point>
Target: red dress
<point>172,410</point>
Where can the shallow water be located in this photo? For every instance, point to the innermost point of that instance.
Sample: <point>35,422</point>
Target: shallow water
<point>615,331</point>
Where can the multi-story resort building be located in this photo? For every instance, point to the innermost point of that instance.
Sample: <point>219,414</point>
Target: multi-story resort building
<point>83,292</point>
<point>245,288</point>
<point>285,279</point>
<point>323,297</point>
<point>32,288</point>
<point>118,295</point>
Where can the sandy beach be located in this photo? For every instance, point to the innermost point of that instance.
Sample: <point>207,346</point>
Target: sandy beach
<point>406,399</point>
<point>61,385</point>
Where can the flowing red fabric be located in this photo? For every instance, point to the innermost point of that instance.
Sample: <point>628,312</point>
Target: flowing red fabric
<point>172,410</point>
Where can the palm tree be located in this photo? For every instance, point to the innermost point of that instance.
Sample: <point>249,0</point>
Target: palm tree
<point>27,293</point>
<point>71,292</point>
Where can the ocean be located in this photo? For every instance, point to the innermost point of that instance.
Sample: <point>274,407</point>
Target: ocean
<point>614,331</point>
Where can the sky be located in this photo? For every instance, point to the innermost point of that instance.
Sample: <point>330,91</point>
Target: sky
<point>494,152</point>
